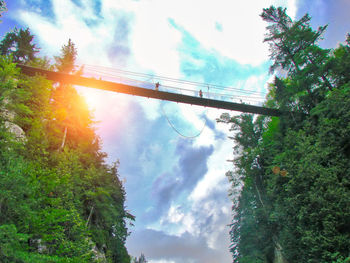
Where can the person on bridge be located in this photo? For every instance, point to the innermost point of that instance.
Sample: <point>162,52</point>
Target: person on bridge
<point>157,86</point>
<point>200,93</point>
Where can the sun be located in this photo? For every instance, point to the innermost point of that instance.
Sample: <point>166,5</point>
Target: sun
<point>93,98</point>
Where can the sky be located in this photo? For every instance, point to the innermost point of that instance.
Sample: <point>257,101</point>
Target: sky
<point>176,186</point>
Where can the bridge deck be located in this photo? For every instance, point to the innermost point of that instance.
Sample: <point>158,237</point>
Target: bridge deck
<point>149,93</point>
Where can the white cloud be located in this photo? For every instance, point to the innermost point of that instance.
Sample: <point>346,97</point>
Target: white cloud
<point>292,8</point>
<point>215,178</point>
<point>69,23</point>
<point>153,41</point>
<point>242,31</point>
<point>175,215</point>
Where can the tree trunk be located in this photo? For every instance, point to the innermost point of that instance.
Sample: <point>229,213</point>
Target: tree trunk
<point>64,138</point>
<point>90,214</point>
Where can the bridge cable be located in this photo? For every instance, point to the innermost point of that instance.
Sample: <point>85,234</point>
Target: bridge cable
<point>178,132</point>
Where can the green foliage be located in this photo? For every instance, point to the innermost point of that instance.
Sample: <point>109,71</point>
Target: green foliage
<point>293,47</point>
<point>11,243</point>
<point>18,43</point>
<point>56,203</point>
<point>340,64</point>
<point>66,62</point>
<point>8,72</point>
<point>293,171</point>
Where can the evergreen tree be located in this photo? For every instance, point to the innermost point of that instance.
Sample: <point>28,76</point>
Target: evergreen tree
<point>66,62</point>
<point>294,48</point>
<point>292,172</point>
<point>55,206</point>
<point>19,44</point>
<point>340,64</point>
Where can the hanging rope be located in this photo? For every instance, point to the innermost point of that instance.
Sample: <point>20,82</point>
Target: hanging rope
<point>178,132</point>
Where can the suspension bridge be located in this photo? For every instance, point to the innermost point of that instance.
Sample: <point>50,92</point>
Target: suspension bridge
<point>151,90</point>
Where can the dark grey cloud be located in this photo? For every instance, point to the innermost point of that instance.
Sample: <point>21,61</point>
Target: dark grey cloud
<point>164,187</point>
<point>335,13</point>
<point>211,124</point>
<point>182,178</point>
<point>164,190</point>
<point>157,245</point>
<point>192,163</point>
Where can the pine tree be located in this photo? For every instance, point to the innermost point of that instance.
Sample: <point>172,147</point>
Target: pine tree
<point>19,44</point>
<point>294,48</point>
<point>66,62</point>
<point>294,170</point>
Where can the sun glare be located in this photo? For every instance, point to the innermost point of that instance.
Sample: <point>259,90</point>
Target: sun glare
<point>92,97</point>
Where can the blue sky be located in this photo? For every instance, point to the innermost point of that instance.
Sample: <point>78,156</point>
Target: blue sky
<point>175,186</point>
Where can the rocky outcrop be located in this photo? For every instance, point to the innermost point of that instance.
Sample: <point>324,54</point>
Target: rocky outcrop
<point>9,117</point>
<point>16,131</point>
<point>98,255</point>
